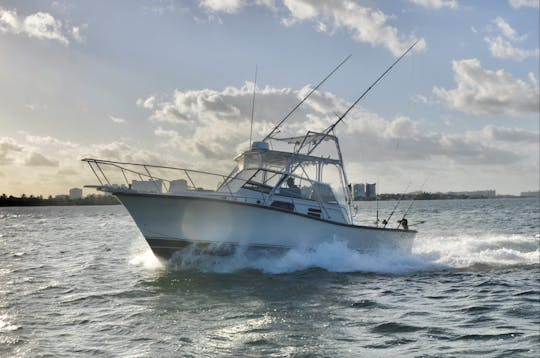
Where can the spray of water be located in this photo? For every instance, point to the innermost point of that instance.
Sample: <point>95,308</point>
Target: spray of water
<point>435,253</point>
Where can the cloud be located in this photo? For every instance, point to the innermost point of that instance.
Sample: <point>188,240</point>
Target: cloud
<point>35,106</point>
<point>507,30</point>
<point>489,92</point>
<point>117,119</point>
<point>208,106</point>
<point>364,24</point>
<point>160,7</point>
<point>227,6</point>
<point>502,45</point>
<point>39,160</point>
<point>516,4</point>
<point>400,140</point>
<point>76,34</point>
<point>40,25</point>
<point>208,138</point>
<point>513,135</point>
<point>47,141</point>
<point>420,98</point>
<point>123,152</point>
<point>437,4</point>
<point>7,146</point>
<point>146,103</point>
<point>68,171</point>
<point>502,48</point>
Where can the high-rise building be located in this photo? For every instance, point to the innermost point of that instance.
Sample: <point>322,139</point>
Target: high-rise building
<point>359,192</point>
<point>371,191</point>
<point>75,193</point>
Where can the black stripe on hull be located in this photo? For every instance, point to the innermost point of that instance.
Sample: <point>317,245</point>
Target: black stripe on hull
<point>166,248</point>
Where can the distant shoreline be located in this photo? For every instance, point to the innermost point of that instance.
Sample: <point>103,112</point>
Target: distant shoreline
<point>444,196</point>
<point>10,201</point>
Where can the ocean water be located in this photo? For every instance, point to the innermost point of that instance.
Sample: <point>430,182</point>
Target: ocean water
<point>80,281</point>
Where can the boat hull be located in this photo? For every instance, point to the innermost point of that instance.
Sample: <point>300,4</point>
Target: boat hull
<point>171,223</point>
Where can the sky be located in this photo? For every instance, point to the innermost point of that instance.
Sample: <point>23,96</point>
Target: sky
<point>170,82</point>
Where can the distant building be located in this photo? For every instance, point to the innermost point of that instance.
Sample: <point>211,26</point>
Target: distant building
<point>477,194</point>
<point>359,192</point>
<point>61,197</point>
<point>371,191</point>
<point>531,194</point>
<point>75,193</point>
<point>365,191</point>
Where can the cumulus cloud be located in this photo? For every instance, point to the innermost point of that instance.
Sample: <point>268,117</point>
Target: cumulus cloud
<point>7,147</point>
<point>437,4</point>
<point>39,160</point>
<point>47,141</point>
<point>364,24</point>
<point>212,138</point>
<point>524,3</point>
<point>40,25</point>
<point>123,152</point>
<point>503,44</point>
<point>502,48</point>
<point>227,6</point>
<point>481,91</point>
<point>507,30</point>
<point>231,104</point>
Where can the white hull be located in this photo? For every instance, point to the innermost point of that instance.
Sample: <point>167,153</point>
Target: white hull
<point>170,223</point>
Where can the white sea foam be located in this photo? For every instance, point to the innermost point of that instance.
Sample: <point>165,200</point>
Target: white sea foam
<point>147,260</point>
<point>434,253</point>
<point>467,250</point>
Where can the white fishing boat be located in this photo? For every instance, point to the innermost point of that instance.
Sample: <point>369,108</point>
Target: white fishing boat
<point>284,192</point>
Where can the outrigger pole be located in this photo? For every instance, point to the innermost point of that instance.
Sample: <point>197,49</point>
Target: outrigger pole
<point>327,131</point>
<point>331,128</point>
<point>269,135</point>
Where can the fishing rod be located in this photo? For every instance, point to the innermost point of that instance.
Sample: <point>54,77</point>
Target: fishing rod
<point>269,135</point>
<point>411,203</point>
<point>385,222</point>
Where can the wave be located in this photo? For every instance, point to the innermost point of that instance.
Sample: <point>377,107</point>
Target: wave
<point>491,250</point>
<point>428,254</point>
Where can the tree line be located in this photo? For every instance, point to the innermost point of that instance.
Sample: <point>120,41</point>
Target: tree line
<point>32,200</point>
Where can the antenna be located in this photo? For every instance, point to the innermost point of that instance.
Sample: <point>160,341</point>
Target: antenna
<point>304,99</point>
<point>253,107</point>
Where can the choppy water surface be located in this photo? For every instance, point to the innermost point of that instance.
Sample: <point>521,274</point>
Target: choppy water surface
<point>81,281</point>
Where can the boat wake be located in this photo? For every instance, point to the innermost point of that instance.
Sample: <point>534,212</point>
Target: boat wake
<point>429,254</point>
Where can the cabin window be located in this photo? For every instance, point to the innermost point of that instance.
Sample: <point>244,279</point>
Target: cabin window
<point>315,212</point>
<point>283,205</point>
